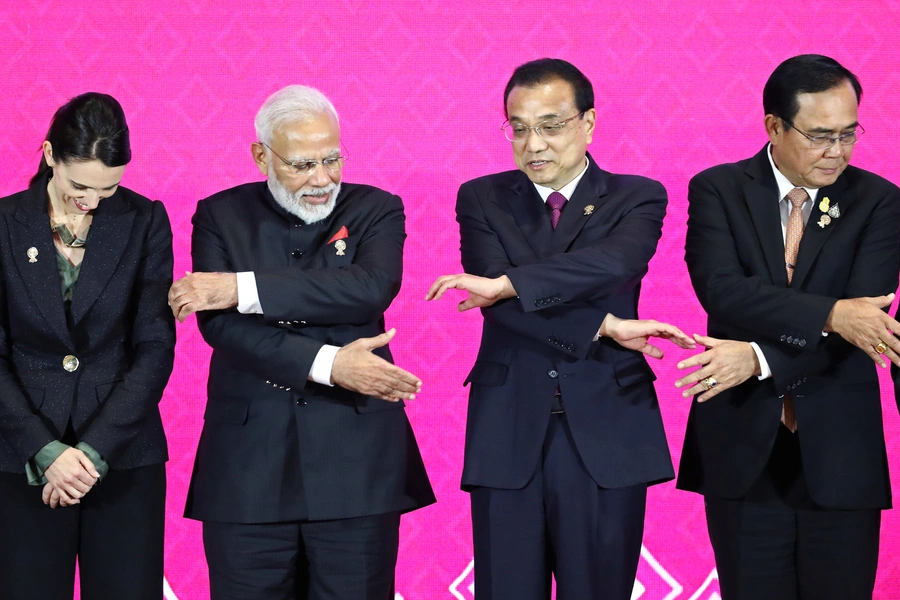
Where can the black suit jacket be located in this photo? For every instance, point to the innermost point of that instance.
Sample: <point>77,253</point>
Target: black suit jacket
<point>122,332</point>
<point>276,447</point>
<point>567,281</point>
<point>735,254</point>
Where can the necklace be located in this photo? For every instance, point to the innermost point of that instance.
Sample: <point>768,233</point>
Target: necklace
<point>67,237</point>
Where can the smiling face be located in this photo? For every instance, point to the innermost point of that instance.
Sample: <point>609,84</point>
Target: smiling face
<point>78,187</point>
<point>831,113</point>
<point>556,162</point>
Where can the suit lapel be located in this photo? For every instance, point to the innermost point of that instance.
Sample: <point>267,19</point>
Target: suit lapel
<point>530,213</point>
<point>589,192</point>
<point>814,236</point>
<point>761,195</point>
<point>108,239</point>
<point>29,227</point>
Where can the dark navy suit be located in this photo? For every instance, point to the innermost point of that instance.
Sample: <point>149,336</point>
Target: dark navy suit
<point>611,435</point>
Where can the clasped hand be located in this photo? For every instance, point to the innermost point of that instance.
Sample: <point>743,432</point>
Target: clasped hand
<point>729,363</point>
<point>202,291</point>
<point>483,291</point>
<point>69,478</point>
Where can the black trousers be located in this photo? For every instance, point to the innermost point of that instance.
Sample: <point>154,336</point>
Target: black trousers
<point>116,532</point>
<point>777,544</point>
<point>346,559</point>
<point>562,524</point>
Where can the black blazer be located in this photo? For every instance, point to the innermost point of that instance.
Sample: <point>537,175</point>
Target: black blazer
<point>735,254</point>
<point>276,447</point>
<point>122,332</point>
<point>567,279</point>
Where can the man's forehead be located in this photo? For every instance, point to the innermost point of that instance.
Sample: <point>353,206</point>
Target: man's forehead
<point>545,100</point>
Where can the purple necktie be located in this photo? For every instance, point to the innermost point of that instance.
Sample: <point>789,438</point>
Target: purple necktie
<point>556,201</point>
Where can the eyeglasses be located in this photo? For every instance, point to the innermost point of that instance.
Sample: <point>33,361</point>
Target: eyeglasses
<point>822,142</point>
<point>516,132</point>
<point>332,164</point>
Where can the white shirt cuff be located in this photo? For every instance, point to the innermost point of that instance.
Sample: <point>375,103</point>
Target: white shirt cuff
<point>764,371</point>
<point>248,296</point>
<point>320,372</point>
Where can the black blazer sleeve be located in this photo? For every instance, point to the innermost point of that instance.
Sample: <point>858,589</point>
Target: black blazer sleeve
<point>268,351</point>
<point>124,413</point>
<point>355,294</point>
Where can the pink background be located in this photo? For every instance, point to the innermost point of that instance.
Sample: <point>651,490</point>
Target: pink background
<point>419,88</point>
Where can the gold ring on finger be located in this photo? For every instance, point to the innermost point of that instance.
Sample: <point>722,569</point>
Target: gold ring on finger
<point>710,382</point>
<point>881,347</point>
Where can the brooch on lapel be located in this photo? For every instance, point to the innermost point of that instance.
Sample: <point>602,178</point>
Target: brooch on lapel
<point>829,212</point>
<point>32,254</point>
<point>339,244</point>
<point>588,210</point>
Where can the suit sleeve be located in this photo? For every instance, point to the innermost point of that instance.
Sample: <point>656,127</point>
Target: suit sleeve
<point>135,398</point>
<point>247,341</point>
<point>605,268</point>
<point>730,296</point>
<point>765,310</point>
<point>359,293</point>
<point>20,426</point>
<point>569,328</point>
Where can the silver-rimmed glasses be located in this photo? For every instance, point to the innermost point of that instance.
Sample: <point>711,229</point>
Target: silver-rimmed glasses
<point>332,164</point>
<point>821,142</point>
<point>517,132</point>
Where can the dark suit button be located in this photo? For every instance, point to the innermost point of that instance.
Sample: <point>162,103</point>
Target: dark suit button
<point>804,380</point>
<point>802,343</point>
<point>783,338</point>
<point>297,253</point>
<point>560,297</point>
<point>553,373</point>
<point>790,339</point>
<point>301,402</point>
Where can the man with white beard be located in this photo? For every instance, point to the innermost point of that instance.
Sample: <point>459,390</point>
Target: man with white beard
<point>307,459</point>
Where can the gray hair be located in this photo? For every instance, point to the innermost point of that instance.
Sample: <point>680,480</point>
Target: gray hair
<point>291,104</point>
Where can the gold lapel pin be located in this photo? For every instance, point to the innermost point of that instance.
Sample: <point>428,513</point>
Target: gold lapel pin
<point>340,246</point>
<point>32,254</point>
<point>589,210</point>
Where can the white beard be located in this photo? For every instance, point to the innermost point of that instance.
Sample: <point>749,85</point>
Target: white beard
<point>294,203</point>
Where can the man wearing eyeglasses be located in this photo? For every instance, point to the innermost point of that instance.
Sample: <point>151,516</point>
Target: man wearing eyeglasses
<point>307,459</point>
<point>794,255</point>
<point>564,431</point>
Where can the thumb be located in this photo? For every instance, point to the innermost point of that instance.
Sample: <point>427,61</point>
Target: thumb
<point>882,301</point>
<point>186,273</point>
<point>704,340</point>
<point>381,340</point>
<point>87,464</point>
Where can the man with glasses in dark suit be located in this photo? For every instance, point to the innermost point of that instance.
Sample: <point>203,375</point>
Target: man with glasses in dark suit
<point>307,459</point>
<point>794,255</point>
<point>564,432</point>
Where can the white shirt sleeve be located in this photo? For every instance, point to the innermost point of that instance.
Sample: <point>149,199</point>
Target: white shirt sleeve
<point>248,296</point>
<point>764,371</point>
<point>320,372</point>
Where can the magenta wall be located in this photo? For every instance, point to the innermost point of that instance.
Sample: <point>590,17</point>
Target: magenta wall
<point>419,88</point>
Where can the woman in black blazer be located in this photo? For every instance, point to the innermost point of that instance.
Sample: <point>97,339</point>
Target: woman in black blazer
<point>86,349</point>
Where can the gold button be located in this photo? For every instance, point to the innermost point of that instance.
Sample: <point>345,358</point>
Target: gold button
<point>70,363</point>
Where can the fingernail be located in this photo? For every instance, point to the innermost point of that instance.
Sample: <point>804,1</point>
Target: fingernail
<point>684,394</point>
<point>680,365</point>
<point>678,385</point>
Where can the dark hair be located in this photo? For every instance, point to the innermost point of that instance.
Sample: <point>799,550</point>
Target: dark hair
<point>545,70</point>
<point>88,127</point>
<point>804,74</point>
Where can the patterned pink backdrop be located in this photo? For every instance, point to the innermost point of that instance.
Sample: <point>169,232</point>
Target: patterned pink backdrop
<point>419,87</point>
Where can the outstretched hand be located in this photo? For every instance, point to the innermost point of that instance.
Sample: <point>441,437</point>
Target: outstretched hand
<point>357,369</point>
<point>635,334</point>
<point>727,362</point>
<point>483,291</point>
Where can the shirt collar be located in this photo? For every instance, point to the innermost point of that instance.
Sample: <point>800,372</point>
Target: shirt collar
<point>566,190</point>
<point>784,184</point>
